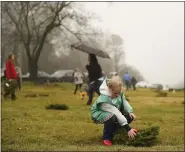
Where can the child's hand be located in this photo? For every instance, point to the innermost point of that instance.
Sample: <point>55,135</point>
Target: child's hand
<point>132,133</point>
<point>132,116</point>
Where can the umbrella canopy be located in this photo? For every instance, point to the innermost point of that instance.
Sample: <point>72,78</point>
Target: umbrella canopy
<point>90,50</point>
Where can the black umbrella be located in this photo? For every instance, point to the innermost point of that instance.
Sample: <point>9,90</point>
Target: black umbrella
<point>90,50</point>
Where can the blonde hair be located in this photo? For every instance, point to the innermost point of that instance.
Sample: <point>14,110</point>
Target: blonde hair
<point>115,83</point>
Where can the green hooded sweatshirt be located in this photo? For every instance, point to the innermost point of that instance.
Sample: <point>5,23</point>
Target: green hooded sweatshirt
<point>120,103</point>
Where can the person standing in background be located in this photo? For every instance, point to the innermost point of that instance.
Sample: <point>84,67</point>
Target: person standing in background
<point>12,77</point>
<point>95,77</point>
<point>78,80</point>
<point>127,80</point>
<point>19,75</point>
<point>133,82</point>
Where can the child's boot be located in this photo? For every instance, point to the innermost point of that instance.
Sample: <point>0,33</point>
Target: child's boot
<point>107,143</point>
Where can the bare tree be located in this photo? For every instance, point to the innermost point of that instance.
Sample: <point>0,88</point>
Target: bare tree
<point>115,45</point>
<point>34,22</point>
<point>8,42</point>
<point>117,57</point>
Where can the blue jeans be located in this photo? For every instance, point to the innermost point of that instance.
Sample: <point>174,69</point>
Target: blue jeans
<point>94,87</point>
<point>111,125</point>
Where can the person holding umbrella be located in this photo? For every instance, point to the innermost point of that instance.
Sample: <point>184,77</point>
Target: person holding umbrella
<point>94,69</point>
<point>95,77</point>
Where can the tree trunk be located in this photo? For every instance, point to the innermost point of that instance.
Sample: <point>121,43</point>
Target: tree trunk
<point>33,68</point>
<point>3,56</point>
<point>16,53</point>
<point>117,68</point>
<point>2,59</point>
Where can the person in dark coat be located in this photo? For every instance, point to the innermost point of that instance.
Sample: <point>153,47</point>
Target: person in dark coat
<point>95,77</point>
<point>133,82</point>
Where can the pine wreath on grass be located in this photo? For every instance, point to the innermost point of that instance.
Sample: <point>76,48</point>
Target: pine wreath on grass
<point>145,138</point>
<point>57,106</point>
<point>162,94</point>
<point>32,95</point>
<point>43,94</point>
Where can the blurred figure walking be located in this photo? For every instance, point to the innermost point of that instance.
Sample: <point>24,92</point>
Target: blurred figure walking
<point>133,82</point>
<point>78,80</point>
<point>127,80</point>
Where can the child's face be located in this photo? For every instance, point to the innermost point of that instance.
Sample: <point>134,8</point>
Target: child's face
<point>115,92</point>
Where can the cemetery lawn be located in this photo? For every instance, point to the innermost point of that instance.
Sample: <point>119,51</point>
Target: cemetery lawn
<point>27,126</point>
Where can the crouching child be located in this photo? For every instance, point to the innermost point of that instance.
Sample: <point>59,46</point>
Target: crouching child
<point>113,110</point>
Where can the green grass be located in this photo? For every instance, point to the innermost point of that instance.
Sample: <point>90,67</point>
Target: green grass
<point>27,125</point>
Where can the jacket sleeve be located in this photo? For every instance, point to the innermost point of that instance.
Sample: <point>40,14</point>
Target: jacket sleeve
<point>127,107</point>
<point>121,118</point>
<point>82,75</point>
<point>99,69</point>
<point>109,108</point>
<point>74,75</point>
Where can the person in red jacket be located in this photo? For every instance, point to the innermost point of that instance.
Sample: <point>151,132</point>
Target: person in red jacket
<point>11,76</point>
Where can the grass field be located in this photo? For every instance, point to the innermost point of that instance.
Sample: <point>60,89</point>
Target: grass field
<point>27,125</point>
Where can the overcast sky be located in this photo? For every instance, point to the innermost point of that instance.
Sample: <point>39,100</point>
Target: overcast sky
<point>153,34</point>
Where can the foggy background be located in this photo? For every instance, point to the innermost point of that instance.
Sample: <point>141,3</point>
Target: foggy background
<point>153,34</point>
<point>144,38</point>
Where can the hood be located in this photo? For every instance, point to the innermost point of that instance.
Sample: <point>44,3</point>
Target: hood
<point>104,89</point>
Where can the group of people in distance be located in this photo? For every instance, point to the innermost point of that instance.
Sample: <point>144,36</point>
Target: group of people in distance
<point>129,81</point>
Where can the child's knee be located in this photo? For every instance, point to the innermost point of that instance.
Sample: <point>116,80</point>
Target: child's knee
<point>113,119</point>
